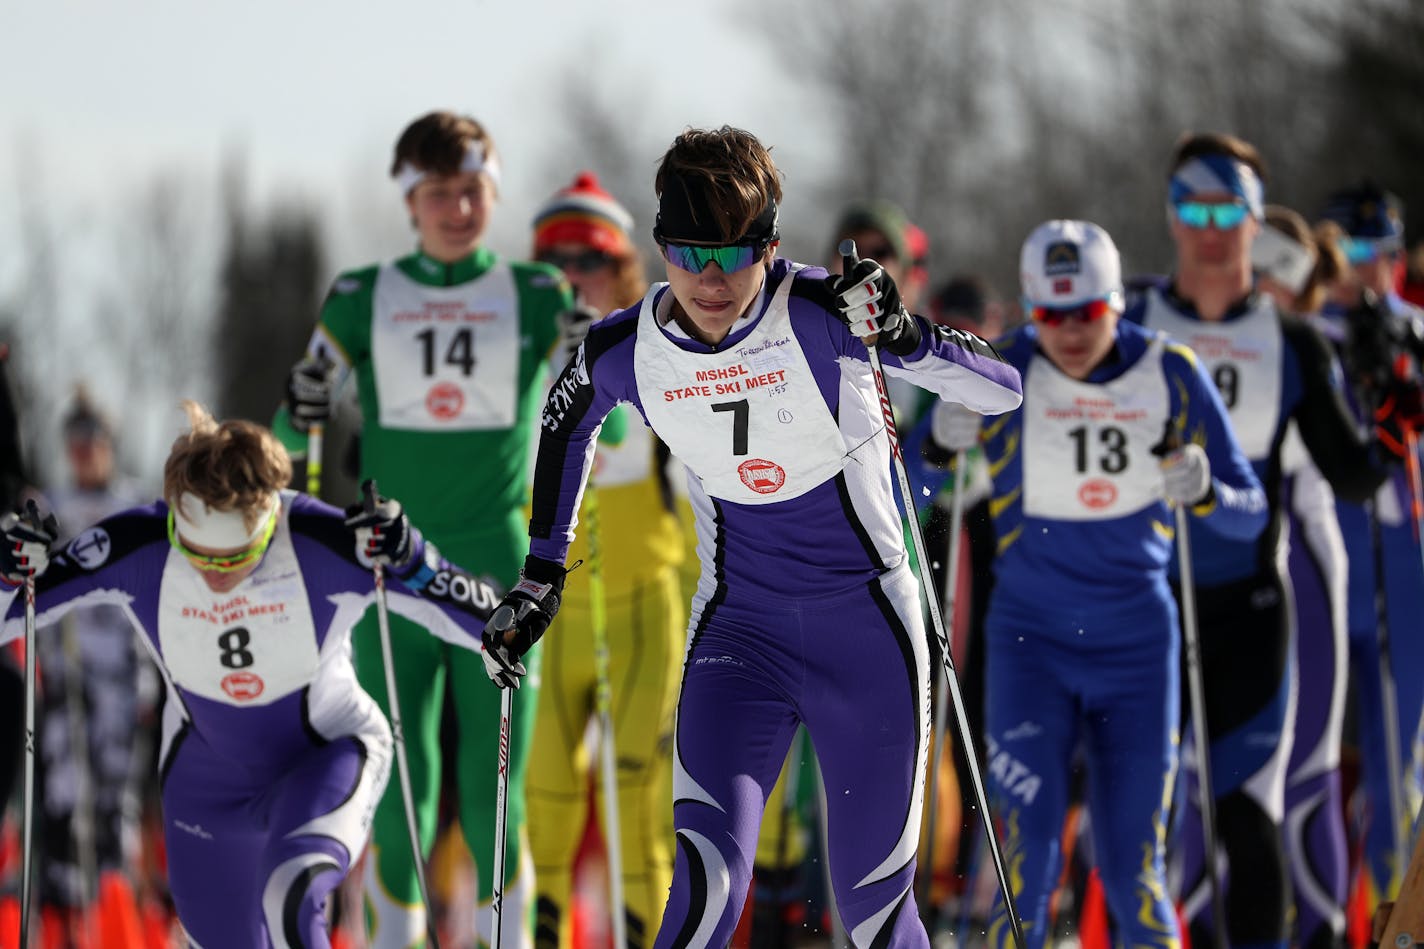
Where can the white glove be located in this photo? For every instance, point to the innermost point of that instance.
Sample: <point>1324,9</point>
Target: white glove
<point>1186,475</point>
<point>955,427</point>
<point>25,540</point>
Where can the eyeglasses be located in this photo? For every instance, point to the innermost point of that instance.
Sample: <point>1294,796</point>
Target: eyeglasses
<point>1082,314</point>
<point>227,563</point>
<point>730,258</point>
<point>1364,250</point>
<point>1197,214</point>
<point>583,261</point>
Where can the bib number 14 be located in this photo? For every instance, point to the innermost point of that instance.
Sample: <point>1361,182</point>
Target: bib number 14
<point>460,352</point>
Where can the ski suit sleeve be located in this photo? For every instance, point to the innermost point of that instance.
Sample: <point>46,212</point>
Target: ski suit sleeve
<point>1347,458</point>
<point>440,596</point>
<point>957,366</point>
<point>580,399</point>
<point>99,566</point>
<point>1236,506</point>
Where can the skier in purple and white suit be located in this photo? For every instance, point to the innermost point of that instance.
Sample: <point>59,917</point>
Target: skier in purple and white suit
<point>273,758</point>
<point>807,610</point>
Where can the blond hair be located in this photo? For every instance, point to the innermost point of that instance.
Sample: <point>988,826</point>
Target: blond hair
<point>233,466</point>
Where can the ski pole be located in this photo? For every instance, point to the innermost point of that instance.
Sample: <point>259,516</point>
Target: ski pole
<point>314,448</point>
<point>28,834</point>
<point>847,250</point>
<point>501,817</point>
<point>941,711</point>
<point>368,491</point>
<point>1196,690</point>
<point>604,701</point>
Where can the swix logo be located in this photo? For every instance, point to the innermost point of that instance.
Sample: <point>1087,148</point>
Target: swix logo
<point>91,548</point>
<point>444,401</point>
<point>887,411</point>
<point>243,686</point>
<point>762,476</point>
<point>504,747</point>
<point>1097,493</point>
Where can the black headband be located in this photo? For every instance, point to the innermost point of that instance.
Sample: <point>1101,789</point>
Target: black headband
<point>686,216</point>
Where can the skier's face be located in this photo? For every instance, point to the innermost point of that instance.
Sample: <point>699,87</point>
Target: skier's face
<point>1210,250</point>
<point>590,272</point>
<point>450,213</point>
<point>1076,345</point>
<point>712,300</point>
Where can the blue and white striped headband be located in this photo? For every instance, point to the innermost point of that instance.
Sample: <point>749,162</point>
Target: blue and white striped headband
<point>407,176</point>
<point>1214,174</point>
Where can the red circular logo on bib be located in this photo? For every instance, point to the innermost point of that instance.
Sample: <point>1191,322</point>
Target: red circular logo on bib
<point>444,401</point>
<point>762,476</point>
<point>243,686</point>
<point>1097,493</point>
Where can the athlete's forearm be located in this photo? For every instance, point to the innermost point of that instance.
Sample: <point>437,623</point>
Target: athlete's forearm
<point>960,367</point>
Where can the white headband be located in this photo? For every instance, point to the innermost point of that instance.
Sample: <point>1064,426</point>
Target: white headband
<point>408,176</point>
<point>1281,258</point>
<point>200,525</point>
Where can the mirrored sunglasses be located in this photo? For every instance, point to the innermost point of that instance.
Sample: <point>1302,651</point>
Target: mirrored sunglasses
<point>226,563</point>
<point>1198,214</point>
<point>730,258</point>
<point>584,261</point>
<point>1081,314</point>
<point>1363,250</point>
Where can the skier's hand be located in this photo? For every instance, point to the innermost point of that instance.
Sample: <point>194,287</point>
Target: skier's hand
<point>1400,414</point>
<point>521,619</point>
<point>24,549</point>
<point>867,300</point>
<point>1186,475</point>
<point>383,532</point>
<point>954,427</point>
<point>309,389</point>
<point>573,327</point>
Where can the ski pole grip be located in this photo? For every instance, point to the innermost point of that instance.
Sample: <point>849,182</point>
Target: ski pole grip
<point>849,258</point>
<point>368,495</point>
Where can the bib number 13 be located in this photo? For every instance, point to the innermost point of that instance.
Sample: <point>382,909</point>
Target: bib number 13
<point>460,352</point>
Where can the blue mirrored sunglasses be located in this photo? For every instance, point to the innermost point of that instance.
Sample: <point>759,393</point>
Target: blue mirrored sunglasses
<point>1363,250</point>
<point>1198,214</point>
<point>730,258</point>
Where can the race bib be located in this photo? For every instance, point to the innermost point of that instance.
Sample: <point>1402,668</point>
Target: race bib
<point>1243,358</point>
<point>446,358</point>
<point>749,422</point>
<point>248,647</point>
<point>1087,448</point>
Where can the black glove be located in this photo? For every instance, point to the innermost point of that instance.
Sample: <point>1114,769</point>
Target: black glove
<point>521,618</point>
<point>1400,414</point>
<point>383,532</point>
<point>573,327</point>
<point>309,388</point>
<point>24,551</point>
<point>867,300</point>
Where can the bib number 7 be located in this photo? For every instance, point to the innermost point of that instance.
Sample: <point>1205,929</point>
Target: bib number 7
<point>741,411</point>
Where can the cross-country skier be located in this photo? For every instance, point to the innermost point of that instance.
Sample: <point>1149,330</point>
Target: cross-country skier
<point>750,368</point>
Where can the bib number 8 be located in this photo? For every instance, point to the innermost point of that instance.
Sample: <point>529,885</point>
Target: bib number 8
<point>233,648</point>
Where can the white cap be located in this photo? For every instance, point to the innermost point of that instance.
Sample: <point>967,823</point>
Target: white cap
<point>1069,263</point>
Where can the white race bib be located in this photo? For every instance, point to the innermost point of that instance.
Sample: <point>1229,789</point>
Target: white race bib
<point>446,358</point>
<point>248,647</point>
<point>750,422</point>
<point>1087,447</point>
<point>1243,358</point>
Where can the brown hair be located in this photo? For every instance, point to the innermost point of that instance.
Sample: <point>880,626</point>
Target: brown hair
<point>437,142</point>
<point>233,465</point>
<point>1196,144</point>
<point>1331,264</point>
<point>734,168</point>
